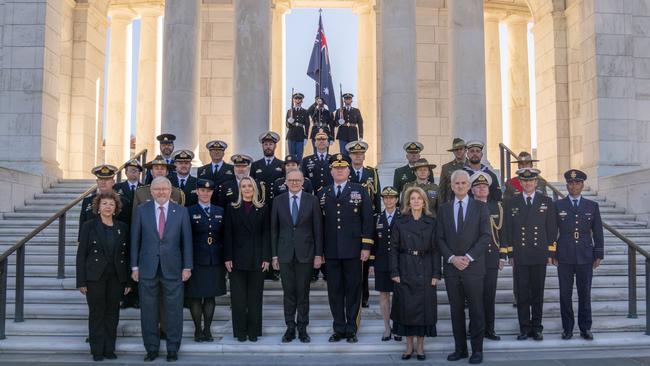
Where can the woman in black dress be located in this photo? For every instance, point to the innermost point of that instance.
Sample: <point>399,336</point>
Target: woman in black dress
<point>103,272</point>
<point>247,253</point>
<point>415,270</point>
<point>209,274</point>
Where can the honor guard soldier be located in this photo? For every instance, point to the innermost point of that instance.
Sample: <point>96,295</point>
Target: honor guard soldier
<point>166,141</point>
<point>268,169</point>
<point>105,183</point>
<point>423,179</point>
<point>230,189</point>
<point>580,249</point>
<point>217,170</point>
<point>405,174</point>
<point>322,119</point>
<point>369,179</point>
<point>316,166</point>
<point>158,168</point>
<point>127,188</point>
<point>530,231</point>
<point>459,148</point>
<point>297,121</point>
<point>524,160</point>
<point>348,231</point>
<point>349,123</point>
<point>280,185</point>
<point>496,256</point>
<point>183,179</point>
<point>473,165</point>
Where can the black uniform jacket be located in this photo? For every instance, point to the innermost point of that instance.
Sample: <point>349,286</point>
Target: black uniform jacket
<point>247,237</point>
<point>93,250</point>
<point>207,235</point>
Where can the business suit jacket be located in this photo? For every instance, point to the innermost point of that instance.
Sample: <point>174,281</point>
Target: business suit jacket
<point>173,252</point>
<point>93,249</point>
<point>305,238</point>
<point>581,238</point>
<point>473,238</point>
<point>247,237</point>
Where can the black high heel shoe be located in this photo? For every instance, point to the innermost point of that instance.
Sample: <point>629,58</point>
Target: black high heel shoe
<point>407,356</point>
<point>386,338</point>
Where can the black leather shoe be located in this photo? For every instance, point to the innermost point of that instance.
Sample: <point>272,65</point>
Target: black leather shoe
<point>110,356</point>
<point>151,356</point>
<point>163,335</point>
<point>207,335</point>
<point>303,336</point>
<point>492,336</point>
<point>397,338</point>
<point>98,358</point>
<point>386,338</point>
<point>538,336</point>
<point>522,337</point>
<point>421,357</point>
<point>587,335</point>
<point>407,356</point>
<point>457,355</point>
<point>241,339</point>
<point>335,337</point>
<point>352,338</point>
<point>172,356</point>
<point>289,335</point>
<point>477,357</point>
<point>567,335</point>
<point>252,338</point>
<point>365,305</point>
<point>198,336</point>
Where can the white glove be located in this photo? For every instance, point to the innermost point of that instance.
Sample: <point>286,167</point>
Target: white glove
<point>305,142</point>
<point>341,121</point>
<point>291,120</point>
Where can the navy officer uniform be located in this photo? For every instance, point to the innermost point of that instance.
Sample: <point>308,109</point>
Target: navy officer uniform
<point>164,139</point>
<point>218,172</point>
<point>186,184</point>
<point>580,247</point>
<point>316,167</point>
<point>229,191</point>
<point>268,169</point>
<point>297,122</point>
<point>380,252</point>
<point>126,188</point>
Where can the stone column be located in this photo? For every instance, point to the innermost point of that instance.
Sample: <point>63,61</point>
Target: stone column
<point>118,115</point>
<point>278,85</point>
<point>466,69</point>
<point>519,90</point>
<point>148,85</point>
<point>251,74</point>
<point>398,108</point>
<point>493,86</point>
<point>181,72</point>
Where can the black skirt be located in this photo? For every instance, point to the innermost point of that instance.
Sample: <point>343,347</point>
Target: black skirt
<point>206,281</point>
<point>383,282</point>
<point>414,330</point>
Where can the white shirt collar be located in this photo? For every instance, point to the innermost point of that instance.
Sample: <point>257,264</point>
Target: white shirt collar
<point>391,213</point>
<point>465,201</point>
<point>571,199</point>
<point>133,183</point>
<point>165,206</point>
<point>204,206</point>
<point>342,186</point>
<point>525,195</point>
<point>298,194</point>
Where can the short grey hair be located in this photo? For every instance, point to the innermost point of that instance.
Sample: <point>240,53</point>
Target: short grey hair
<point>161,180</point>
<point>302,175</point>
<point>458,174</point>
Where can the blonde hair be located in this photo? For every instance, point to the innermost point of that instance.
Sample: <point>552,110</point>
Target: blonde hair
<point>257,202</point>
<point>406,205</point>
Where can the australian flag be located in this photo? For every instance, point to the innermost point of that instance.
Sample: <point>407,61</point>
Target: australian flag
<point>319,68</point>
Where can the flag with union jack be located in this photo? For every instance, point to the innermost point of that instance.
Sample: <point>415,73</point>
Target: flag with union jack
<point>320,69</point>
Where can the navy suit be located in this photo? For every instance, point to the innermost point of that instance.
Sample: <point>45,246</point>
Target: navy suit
<point>160,264</point>
<point>579,244</point>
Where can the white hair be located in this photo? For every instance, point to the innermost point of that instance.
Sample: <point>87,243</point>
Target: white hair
<point>161,180</point>
<point>458,174</point>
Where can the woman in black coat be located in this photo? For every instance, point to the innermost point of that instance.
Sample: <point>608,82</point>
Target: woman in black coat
<point>247,254</point>
<point>103,272</point>
<point>415,269</point>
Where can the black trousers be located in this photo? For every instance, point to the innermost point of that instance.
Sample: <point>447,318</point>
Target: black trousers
<point>468,289</point>
<point>246,289</point>
<point>489,297</point>
<point>583,274</point>
<point>344,294</point>
<point>103,299</point>
<point>365,296</point>
<point>530,296</point>
<point>296,279</point>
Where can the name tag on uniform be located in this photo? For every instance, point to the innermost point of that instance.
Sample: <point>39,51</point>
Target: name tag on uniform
<point>196,216</point>
<point>258,171</point>
<point>229,172</point>
<point>218,216</point>
<point>380,226</point>
<point>193,191</point>
<point>278,169</point>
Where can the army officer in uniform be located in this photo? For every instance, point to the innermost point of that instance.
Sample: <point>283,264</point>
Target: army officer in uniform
<point>459,148</point>
<point>316,167</point>
<point>349,123</point>
<point>158,168</point>
<point>127,188</point>
<point>424,180</point>
<point>405,174</point>
<point>580,249</point>
<point>280,184</point>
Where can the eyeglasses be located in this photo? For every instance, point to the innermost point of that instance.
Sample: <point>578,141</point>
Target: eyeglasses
<point>294,181</point>
<point>321,139</point>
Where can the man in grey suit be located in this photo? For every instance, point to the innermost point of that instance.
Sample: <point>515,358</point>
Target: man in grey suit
<point>161,260</point>
<point>297,248</point>
<point>463,237</point>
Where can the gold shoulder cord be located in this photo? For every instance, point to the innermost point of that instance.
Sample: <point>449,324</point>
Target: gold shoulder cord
<point>496,227</point>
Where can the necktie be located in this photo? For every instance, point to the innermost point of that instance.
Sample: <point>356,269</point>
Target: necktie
<point>268,162</point>
<point>294,210</point>
<point>389,218</point>
<point>215,168</point>
<point>575,203</point>
<point>459,220</point>
<point>529,201</point>
<point>132,188</point>
<point>321,158</point>
<point>358,175</point>
<point>338,191</point>
<point>161,222</point>
<point>182,183</point>
<point>207,210</point>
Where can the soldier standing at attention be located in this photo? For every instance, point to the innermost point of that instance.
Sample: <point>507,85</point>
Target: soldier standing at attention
<point>166,141</point>
<point>349,123</point>
<point>322,120</point>
<point>524,160</point>
<point>423,179</point>
<point>217,170</point>
<point>268,169</point>
<point>473,165</point>
<point>405,174</point>
<point>459,149</point>
<point>184,180</point>
<point>230,189</point>
<point>530,234</point>
<point>297,121</point>
<point>315,167</point>
<point>580,249</point>
<point>132,170</point>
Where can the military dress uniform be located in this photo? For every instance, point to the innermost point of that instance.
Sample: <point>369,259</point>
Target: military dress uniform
<point>579,245</point>
<point>297,122</point>
<point>219,173</point>
<point>143,194</point>
<point>405,174</point>
<point>349,124</point>
<point>431,189</point>
<point>530,231</point>
<point>280,186</point>
<point>165,138</point>
<point>316,168</point>
<point>229,192</point>
<point>268,169</point>
<point>513,185</point>
<point>126,188</point>
<point>445,193</point>
<point>380,253</point>
<point>495,190</point>
<point>348,229</point>
<point>322,120</point>
<point>186,184</point>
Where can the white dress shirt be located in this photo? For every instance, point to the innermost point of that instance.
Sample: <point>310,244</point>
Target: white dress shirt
<point>165,210</point>
<point>298,195</point>
<point>465,201</point>
<point>571,199</point>
<point>532,197</point>
<point>217,166</point>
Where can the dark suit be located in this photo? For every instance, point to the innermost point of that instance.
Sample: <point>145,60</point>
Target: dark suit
<point>189,190</point>
<point>267,174</point>
<point>124,188</point>
<point>219,177</point>
<point>295,245</point>
<point>103,268</point>
<point>472,239</point>
<point>87,214</point>
<point>580,243</point>
<point>160,264</point>
<point>247,244</point>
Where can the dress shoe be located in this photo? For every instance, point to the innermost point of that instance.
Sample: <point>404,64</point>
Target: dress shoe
<point>207,335</point>
<point>421,357</point>
<point>352,338</point>
<point>477,357</point>
<point>252,338</point>
<point>365,305</point>
<point>492,336</point>
<point>407,356</point>
<point>386,338</point>
<point>397,338</point>
<point>110,356</point>
<point>522,337</point>
<point>538,336</point>
<point>335,337</point>
<point>303,336</point>
<point>457,355</point>
<point>567,335</point>
<point>163,335</point>
<point>172,356</point>
<point>98,358</point>
<point>198,336</point>
<point>151,356</point>
<point>587,335</point>
<point>289,335</point>
<point>241,339</point>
